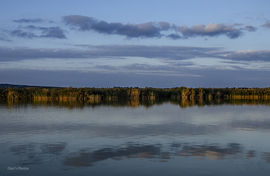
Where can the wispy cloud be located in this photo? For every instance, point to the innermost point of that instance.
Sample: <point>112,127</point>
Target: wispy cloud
<point>250,28</point>
<point>249,55</point>
<point>111,51</point>
<point>23,34</point>
<point>124,51</point>
<point>174,36</point>
<point>53,32</point>
<point>4,38</point>
<point>46,32</point>
<point>266,24</point>
<point>31,20</point>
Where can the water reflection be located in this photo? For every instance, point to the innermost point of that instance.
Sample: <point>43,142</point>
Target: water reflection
<point>251,154</point>
<point>36,154</point>
<point>156,153</point>
<point>84,158</point>
<point>212,152</point>
<point>195,137</point>
<point>26,154</point>
<point>178,128</point>
<point>53,149</point>
<point>266,156</point>
<point>133,103</point>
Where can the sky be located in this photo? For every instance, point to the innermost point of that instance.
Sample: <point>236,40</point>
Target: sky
<point>143,43</point>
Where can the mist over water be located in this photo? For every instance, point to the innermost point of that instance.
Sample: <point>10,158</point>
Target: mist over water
<point>135,137</point>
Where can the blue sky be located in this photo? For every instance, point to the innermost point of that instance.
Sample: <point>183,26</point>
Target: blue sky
<point>135,43</point>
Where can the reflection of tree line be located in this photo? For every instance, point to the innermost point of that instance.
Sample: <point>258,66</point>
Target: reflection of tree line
<point>31,154</point>
<point>190,103</point>
<point>116,93</point>
<point>183,103</point>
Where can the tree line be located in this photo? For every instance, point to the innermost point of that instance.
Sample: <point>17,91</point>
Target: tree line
<point>147,93</point>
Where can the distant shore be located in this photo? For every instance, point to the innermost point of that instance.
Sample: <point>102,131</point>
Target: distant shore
<point>20,92</point>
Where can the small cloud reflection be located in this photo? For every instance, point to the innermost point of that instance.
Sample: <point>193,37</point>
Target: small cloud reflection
<point>211,152</point>
<point>86,159</point>
<point>266,156</point>
<point>165,156</point>
<point>54,149</point>
<point>251,154</point>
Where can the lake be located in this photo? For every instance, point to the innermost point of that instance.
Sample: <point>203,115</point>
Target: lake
<point>135,138</point>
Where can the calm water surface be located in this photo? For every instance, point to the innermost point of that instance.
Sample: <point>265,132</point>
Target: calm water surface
<point>134,138</point>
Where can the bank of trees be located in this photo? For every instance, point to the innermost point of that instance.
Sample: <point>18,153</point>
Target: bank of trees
<point>147,93</point>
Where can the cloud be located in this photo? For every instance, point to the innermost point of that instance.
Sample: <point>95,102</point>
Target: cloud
<point>84,23</point>
<point>249,18</point>
<point>110,51</point>
<point>174,36</point>
<point>53,32</point>
<point>146,69</point>
<point>266,24</point>
<point>4,38</point>
<point>20,33</point>
<point>250,28</point>
<point>141,30</point>
<point>210,30</point>
<point>32,20</point>
<point>237,24</point>
<point>249,55</point>
<point>112,65</point>
<point>164,25</point>
<point>162,52</point>
<point>87,159</point>
<point>154,29</point>
<point>165,53</point>
<point>46,32</point>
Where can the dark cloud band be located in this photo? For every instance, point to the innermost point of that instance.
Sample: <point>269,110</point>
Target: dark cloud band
<point>152,29</point>
<point>85,23</point>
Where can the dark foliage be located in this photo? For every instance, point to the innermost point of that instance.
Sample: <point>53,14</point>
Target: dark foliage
<point>56,93</point>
